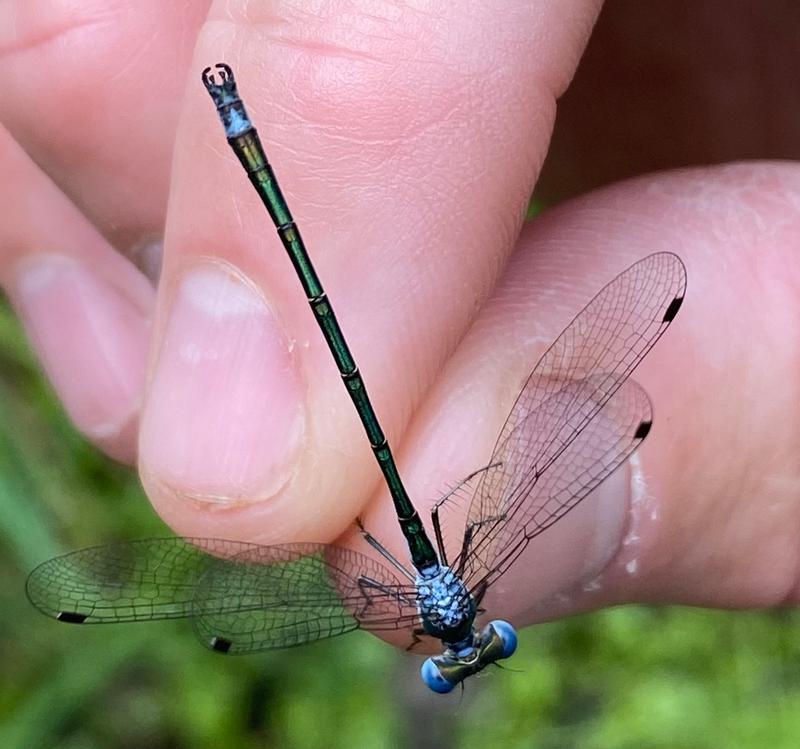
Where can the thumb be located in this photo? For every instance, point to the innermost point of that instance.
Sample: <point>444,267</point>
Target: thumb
<point>372,132</point>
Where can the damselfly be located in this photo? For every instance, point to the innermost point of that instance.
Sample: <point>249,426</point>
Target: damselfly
<point>577,419</point>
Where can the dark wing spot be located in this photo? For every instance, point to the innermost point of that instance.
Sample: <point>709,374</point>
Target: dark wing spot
<point>673,308</point>
<point>221,645</point>
<point>71,617</point>
<point>643,430</point>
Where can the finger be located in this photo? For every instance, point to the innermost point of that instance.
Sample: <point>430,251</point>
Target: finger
<point>76,100</point>
<point>86,309</point>
<point>92,92</point>
<point>706,513</point>
<point>375,127</point>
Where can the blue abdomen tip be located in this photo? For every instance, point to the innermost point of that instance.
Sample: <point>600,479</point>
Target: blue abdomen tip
<point>236,122</point>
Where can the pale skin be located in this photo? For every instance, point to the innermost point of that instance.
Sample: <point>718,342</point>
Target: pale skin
<point>407,139</point>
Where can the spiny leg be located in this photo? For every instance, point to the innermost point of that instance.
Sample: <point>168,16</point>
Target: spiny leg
<point>416,639</point>
<point>366,584</point>
<point>478,595</point>
<point>437,528</point>
<point>382,550</point>
<point>468,534</point>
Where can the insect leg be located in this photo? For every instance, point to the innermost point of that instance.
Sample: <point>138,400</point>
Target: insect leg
<point>385,553</point>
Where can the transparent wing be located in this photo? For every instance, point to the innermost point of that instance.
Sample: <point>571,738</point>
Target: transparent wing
<point>281,596</point>
<point>544,495</point>
<point>257,596</point>
<point>568,388</point>
<point>126,582</point>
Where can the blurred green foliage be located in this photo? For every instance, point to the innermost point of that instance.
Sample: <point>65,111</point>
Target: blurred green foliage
<point>630,678</point>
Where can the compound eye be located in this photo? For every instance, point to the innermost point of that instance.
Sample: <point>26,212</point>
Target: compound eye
<point>432,676</point>
<point>507,634</point>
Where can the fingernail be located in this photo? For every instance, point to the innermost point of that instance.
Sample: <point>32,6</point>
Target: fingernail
<point>612,505</point>
<point>91,339</point>
<point>224,414</point>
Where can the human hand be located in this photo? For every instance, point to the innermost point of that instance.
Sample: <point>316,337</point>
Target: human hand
<point>407,147</point>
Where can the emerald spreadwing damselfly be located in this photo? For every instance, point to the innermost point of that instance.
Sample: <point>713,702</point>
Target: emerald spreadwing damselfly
<point>577,419</point>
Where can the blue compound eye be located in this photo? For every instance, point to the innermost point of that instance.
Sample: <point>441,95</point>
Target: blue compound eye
<point>433,677</point>
<point>507,634</point>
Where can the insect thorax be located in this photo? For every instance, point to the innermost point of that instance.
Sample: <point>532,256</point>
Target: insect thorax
<point>445,605</point>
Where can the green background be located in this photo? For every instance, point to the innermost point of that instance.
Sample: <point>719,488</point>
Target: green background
<point>630,677</point>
